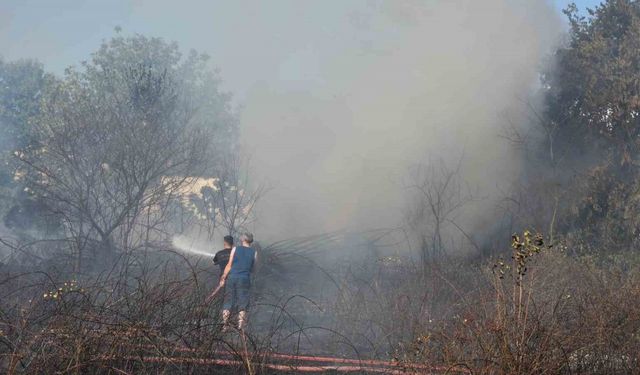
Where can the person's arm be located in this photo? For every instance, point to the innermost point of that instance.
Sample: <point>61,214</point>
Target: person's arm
<point>227,269</point>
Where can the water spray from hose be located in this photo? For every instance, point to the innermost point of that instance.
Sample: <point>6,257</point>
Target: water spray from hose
<point>183,244</point>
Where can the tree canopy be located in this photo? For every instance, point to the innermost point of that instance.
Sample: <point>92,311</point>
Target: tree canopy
<point>594,87</point>
<point>112,139</point>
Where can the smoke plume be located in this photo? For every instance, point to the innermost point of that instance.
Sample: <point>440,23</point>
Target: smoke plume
<point>391,85</point>
<point>339,99</point>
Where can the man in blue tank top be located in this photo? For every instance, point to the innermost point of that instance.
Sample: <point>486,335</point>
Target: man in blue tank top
<point>237,277</point>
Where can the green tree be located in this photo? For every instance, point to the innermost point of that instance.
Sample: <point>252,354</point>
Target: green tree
<point>594,87</point>
<point>593,114</point>
<point>22,85</point>
<point>197,84</point>
<point>123,134</point>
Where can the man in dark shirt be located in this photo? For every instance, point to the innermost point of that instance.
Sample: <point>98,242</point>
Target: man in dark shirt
<point>222,257</point>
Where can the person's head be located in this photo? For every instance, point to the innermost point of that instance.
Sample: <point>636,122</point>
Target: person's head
<point>246,238</point>
<point>228,242</point>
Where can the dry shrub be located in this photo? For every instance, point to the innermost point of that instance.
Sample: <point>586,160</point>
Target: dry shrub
<point>561,315</point>
<point>147,315</point>
<point>110,323</point>
<point>540,312</point>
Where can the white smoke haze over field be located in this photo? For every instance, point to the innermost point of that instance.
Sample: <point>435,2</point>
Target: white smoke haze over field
<point>393,85</point>
<point>338,99</point>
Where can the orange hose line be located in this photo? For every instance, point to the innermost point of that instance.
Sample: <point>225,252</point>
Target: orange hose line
<point>384,366</point>
<point>347,360</point>
<point>310,358</point>
<point>228,362</point>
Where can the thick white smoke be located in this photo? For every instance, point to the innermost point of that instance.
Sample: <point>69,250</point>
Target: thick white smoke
<point>340,97</point>
<point>398,82</point>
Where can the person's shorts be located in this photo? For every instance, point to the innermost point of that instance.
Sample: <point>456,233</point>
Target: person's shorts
<point>236,293</point>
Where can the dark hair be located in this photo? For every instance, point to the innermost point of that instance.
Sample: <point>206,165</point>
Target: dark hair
<point>228,239</point>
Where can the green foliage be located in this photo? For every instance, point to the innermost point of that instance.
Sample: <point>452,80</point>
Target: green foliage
<point>589,195</point>
<point>603,213</point>
<point>108,139</point>
<point>594,88</point>
<point>523,249</point>
<point>22,86</point>
<point>119,136</point>
<point>197,84</point>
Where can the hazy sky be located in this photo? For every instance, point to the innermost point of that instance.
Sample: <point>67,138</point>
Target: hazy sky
<point>64,32</point>
<point>580,3</point>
